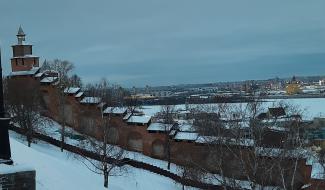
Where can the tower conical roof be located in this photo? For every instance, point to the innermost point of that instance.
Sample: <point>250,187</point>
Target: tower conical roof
<point>20,32</point>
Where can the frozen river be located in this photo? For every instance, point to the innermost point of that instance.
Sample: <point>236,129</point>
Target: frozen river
<point>312,107</point>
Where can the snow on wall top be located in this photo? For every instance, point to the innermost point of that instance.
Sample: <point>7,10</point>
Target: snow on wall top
<point>79,95</point>
<point>49,79</point>
<point>127,116</point>
<point>22,73</point>
<point>26,56</point>
<point>115,110</point>
<point>143,119</point>
<point>224,140</point>
<point>317,171</point>
<point>188,136</point>
<point>91,100</point>
<point>38,75</point>
<point>71,90</point>
<point>159,127</point>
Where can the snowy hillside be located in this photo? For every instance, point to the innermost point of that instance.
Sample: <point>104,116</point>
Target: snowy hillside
<point>56,170</point>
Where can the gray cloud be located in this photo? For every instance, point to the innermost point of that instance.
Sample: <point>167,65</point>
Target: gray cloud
<point>167,42</point>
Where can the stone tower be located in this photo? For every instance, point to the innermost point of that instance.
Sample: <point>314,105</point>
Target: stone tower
<point>23,58</point>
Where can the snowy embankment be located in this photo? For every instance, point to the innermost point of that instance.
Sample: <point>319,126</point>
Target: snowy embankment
<point>57,170</point>
<point>53,130</point>
<point>215,179</point>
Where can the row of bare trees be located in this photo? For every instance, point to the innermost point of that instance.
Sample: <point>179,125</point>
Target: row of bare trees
<point>242,149</point>
<point>66,80</point>
<point>25,101</point>
<point>24,104</point>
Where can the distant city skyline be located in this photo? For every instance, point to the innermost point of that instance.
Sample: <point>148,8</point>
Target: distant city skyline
<point>145,42</point>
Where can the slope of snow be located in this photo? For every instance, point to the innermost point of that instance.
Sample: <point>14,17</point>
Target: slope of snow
<point>56,170</point>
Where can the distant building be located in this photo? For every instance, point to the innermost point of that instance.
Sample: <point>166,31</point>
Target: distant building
<point>293,87</point>
<point>321,82</point>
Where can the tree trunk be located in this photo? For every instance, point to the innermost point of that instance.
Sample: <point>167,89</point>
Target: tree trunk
<point>168,164</point>
<point>29,141</point>
<point>105,179</point>
<point>62,136</point>
<point>29,136</point>
<point>168,152</point>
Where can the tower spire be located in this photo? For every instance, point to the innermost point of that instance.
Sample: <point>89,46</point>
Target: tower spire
<point>20,35</point>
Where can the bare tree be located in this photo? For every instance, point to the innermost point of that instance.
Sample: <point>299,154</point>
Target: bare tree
<point>110,156</point>
<point>167,116</point>
<point>133,103</point>
<point>238,147</point>
<point>189,172</point>
<point>25,105</point>
<point>75,81</point>
<point>63,69</point>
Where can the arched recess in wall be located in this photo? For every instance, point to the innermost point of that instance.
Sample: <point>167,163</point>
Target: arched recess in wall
<point>135,141</point>
<point>87,125</point>
<point>68,114</point>
<point>46,98</point>
<point>158,148</point>
<point>113,135</point>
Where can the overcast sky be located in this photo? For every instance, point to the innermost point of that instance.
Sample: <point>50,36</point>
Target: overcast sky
<point>151,42</point>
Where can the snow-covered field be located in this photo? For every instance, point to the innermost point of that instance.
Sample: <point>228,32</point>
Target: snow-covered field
<point>56,170</point>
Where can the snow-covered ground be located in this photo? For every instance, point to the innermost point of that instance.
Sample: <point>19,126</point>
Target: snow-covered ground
<point>56,170</point>
<point>53,131</point>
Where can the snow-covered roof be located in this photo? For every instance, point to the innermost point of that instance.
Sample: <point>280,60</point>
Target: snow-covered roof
<point>22,73</point>
<point>277,120</point>
<point>224,140</point>
<point>159,127</point>
<point>79,95</point>
<point>71,90</point>
<point>38,75</point>
<point>143,119</point>
<point>26,56</point>
<point>276,128</point>
<point>127,116</point>
<point>49,79</point>
<point>317,171</point>
<point>91,100</point>
<point>187,136</point>
<point>172,132</point>
<point>115,110</point>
